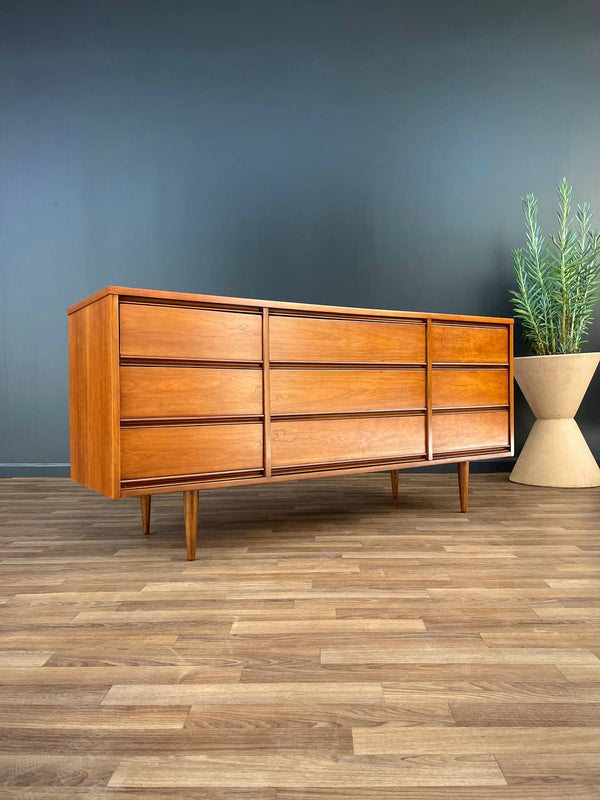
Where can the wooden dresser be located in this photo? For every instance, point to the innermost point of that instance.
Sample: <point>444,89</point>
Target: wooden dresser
<point>179,392</point>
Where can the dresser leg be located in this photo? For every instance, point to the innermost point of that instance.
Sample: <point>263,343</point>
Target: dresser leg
<point>145,500</point>
<point>463,485</point>
<point>190,511</point>
<point>394,476</point>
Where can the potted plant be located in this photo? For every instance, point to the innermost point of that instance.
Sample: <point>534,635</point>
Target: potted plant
<point>557,290</point>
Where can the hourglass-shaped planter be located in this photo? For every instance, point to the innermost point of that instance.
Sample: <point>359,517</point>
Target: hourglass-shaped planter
<point>555,453</point>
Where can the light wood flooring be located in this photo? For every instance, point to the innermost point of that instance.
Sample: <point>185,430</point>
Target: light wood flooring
<point>328,642</point>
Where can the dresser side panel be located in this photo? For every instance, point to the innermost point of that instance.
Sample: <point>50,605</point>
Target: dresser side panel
<point>94,395</point>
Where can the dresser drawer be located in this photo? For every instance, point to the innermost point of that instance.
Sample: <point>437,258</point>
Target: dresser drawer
<point>469,344</point>
<point>314,391</point>
<point>310,339</point>
<point>170,332</point>
<point>190,450</point>
<point>189,392</point>
<point>454,388</point>
<point>466,431</point>
<point>325,441</point>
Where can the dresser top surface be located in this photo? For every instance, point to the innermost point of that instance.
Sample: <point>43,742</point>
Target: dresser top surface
<point>249,304</point>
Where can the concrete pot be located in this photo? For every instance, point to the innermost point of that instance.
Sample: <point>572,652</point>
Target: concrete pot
<point>555,453</point>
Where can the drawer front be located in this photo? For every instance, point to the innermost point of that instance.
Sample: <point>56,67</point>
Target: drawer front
<point>190,450</point>
<point>453,388</point>
<point>168,332</point>
<point>309,339</point>
<point>302,442</point>
<point>479,430</point>
<point>469,344</point>
<point>314,391</point>
<point>189,392</point>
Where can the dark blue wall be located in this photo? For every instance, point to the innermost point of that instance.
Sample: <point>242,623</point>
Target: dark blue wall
<point>353,152</point>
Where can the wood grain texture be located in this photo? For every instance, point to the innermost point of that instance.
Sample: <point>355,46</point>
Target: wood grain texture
<point>389,739</point>
<point>304,718</point>
<point>428,393</point>
<point>173,332</point>
<point>23,658</point>
<point>548,716</point>
<point>469,344</point>
<point>267,694</point>
<point>297,442</point>
<point>312,339</point>
<point>511,386</point>
<point>163,392</point>
<point>190,449</point>
<point>474,652</point>
<point>318,391</point>
<point>471,430</point>
<point>190,514</point>
<point>463,485</point>
<point>266,392</point>
<point>456,388</point>
<point>529,768</point>
<point>94,396</point>
<point>326,644</point>
<point>188,298</point>
<point>541,791</point>
<point>145,506</point>
<point>394,476</point>
<point>93,718</point>
<point>317,770</point>
<point>317,626</point>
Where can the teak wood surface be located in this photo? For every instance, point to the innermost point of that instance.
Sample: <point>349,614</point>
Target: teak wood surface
<point>178,392</point>
<point>469,388</point>
<point>173,332</point>
<point>298,442</point>
<point>94,396</point>
<point>460,343</point>
<point>318,391</point>
<point>330,644</point>
<point>167,392</point>
<point>175,450</point>
<point>321,340</point>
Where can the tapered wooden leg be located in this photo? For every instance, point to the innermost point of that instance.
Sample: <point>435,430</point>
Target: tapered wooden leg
<point>394,476</point>
<point>463,485</point>
<point>190,511</point>
<point>145,500</point>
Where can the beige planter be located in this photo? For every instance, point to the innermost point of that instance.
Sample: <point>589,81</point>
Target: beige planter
<point>555,453</point>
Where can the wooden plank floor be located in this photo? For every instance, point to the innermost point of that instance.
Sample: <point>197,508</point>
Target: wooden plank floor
<point>326,643</point>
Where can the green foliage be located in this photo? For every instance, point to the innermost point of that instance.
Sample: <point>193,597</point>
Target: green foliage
<point>557,280</point>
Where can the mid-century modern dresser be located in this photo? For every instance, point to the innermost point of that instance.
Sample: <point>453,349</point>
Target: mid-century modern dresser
<point>174,392</point>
